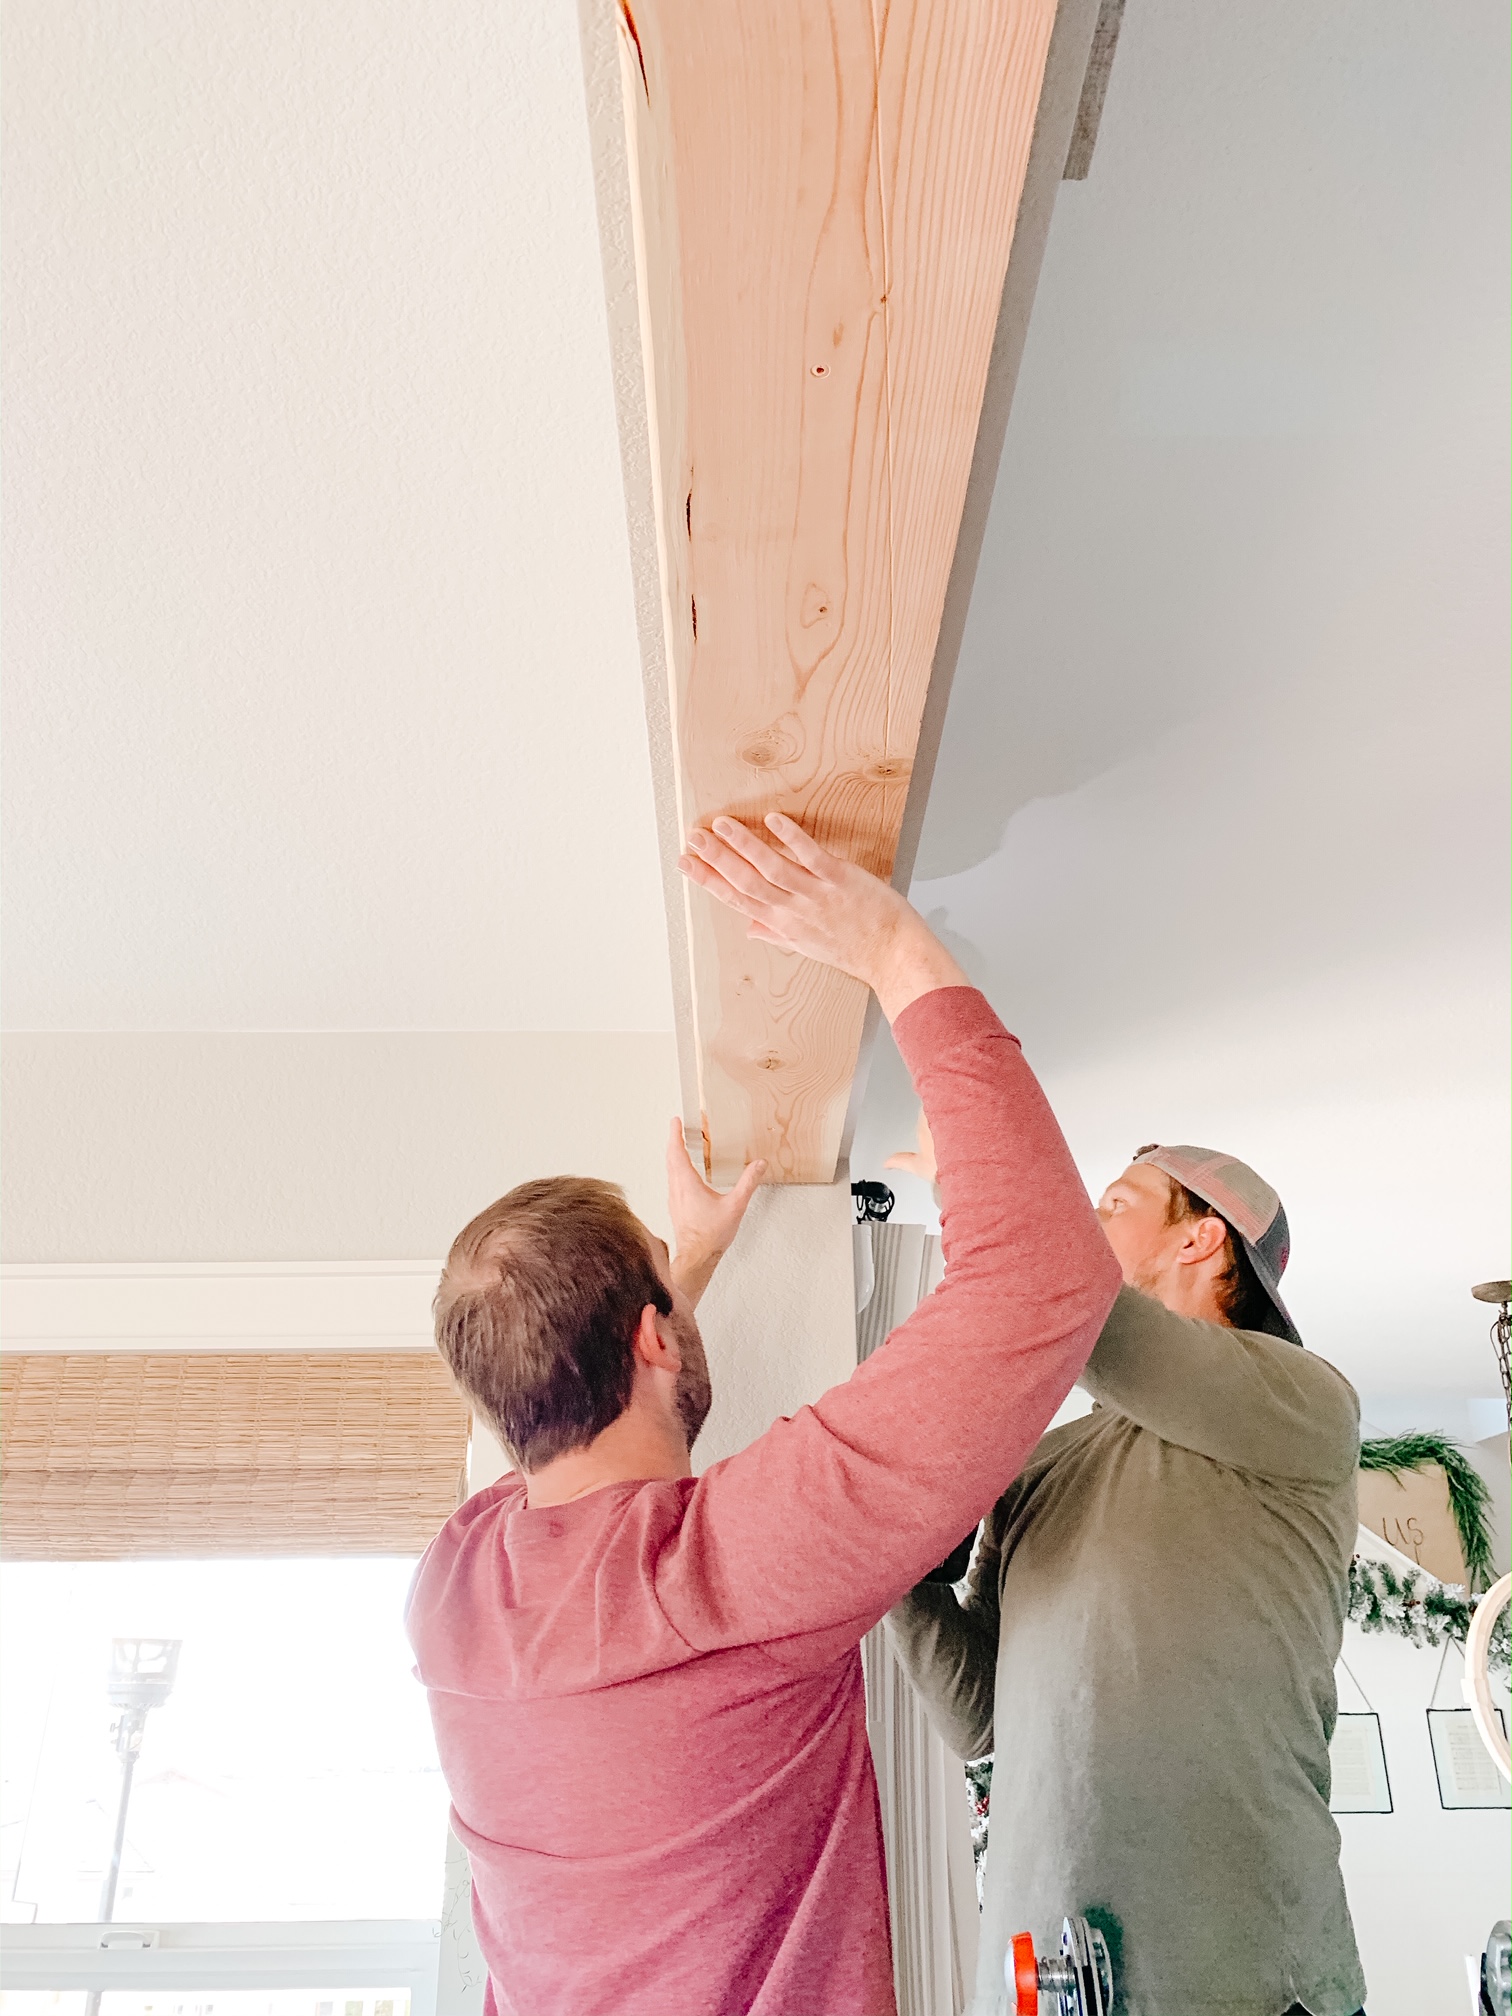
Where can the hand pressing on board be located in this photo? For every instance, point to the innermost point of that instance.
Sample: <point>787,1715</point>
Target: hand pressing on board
<point>704,1221</point>
<point>919,1161</point>
<point>799,896</point>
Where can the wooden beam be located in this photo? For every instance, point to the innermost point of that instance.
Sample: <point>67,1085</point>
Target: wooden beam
<point>824,201</point>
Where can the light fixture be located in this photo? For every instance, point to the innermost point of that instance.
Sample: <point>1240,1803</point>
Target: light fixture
<point>1501,1329</point>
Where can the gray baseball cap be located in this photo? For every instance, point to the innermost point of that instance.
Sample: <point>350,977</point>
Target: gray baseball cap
<point>1249,1206</point>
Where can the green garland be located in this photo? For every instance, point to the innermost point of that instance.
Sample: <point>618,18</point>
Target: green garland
<point>1469,1500</point>
<point>979,1792</point>
<point>1416,1606</point>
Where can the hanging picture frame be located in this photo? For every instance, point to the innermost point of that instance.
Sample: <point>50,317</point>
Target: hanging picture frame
<point>1467,1778</point>
<point>1357,1757</point>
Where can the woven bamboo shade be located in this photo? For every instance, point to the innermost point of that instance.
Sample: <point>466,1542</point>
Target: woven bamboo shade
<point>113,1455</point>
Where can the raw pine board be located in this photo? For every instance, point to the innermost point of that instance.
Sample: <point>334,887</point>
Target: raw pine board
<point>824,202</point>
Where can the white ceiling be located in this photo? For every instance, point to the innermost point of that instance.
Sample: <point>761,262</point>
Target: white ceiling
<point>324,698</point>
<point>324,704</point>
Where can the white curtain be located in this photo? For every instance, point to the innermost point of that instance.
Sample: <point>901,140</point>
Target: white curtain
<point>926,1817</point>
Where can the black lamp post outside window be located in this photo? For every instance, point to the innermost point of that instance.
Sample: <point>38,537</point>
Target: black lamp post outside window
<point>142,1672</point>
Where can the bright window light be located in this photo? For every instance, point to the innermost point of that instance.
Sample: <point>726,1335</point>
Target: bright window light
<point>291,1773</point>
<point>212,2002</point>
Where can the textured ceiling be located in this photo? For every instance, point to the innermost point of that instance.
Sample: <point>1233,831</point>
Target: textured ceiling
<point>324,700</point>
<point>1220,812</point>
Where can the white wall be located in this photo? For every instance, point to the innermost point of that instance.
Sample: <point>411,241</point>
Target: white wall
<point>1425,1886</point>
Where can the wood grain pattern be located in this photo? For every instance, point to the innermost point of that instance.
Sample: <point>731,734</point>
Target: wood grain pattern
<point>824,201</point>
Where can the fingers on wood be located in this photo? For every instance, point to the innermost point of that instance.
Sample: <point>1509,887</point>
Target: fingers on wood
<point>698,870</point>
<point>731,880</point>
<point>730,860</point>
<point>779,869</point>
<point>807,852</point>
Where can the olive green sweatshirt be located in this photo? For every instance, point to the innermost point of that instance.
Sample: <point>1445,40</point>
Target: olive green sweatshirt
<point>1148,1642</point>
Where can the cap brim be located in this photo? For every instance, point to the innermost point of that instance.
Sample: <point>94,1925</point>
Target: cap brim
<point>1284,1326</point>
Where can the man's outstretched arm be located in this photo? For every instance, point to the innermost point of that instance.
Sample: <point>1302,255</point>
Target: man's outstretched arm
<point>949,1647</point>
<point>1248,1401</point>
<point>825,1520</point>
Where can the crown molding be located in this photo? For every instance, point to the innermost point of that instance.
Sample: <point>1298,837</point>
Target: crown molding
<point>217,1305</point>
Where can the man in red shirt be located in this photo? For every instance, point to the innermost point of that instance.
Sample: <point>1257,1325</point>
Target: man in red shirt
<point>646,1686</point>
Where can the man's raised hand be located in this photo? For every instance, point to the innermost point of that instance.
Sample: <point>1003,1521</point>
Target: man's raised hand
<point>920,1161</point>
<point>704,1221</point>
<point>796,894</point>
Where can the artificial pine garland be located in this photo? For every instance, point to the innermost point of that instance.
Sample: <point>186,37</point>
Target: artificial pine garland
<point>979,1792</point>
<point>1469,1500</point>
<point>1417,1607</point>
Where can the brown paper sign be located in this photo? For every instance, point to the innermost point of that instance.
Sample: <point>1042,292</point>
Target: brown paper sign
<point>1411,1510</point>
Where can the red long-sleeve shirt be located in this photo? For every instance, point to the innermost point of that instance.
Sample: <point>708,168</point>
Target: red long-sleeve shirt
<point>648,1702</point>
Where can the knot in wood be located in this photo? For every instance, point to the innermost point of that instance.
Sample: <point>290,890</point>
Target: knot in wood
<point>814,607</point>
<point>887,770</point>
<point>768,1061</point>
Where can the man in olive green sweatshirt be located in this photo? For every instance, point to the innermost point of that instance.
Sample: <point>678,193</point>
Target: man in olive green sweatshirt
<point>1150,1626</point>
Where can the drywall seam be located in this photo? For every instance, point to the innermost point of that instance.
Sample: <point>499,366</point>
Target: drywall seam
<point>1094,91</point>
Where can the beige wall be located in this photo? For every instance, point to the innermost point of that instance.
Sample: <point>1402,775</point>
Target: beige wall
<point>311,1147</point>
<point>268,1148</point>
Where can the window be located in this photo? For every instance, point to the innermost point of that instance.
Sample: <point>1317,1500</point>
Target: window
<point>290,1775</point>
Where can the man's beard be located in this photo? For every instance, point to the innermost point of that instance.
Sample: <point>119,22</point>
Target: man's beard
<point>695,1395</point>
<point>1149,1277</point>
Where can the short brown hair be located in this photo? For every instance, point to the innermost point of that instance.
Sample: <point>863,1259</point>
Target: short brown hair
<point>1243,1301</point>
<point>537,1311</point>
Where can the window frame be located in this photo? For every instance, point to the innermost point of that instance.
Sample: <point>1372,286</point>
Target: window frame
<point>312,1953</point>
<point>257,1306</point>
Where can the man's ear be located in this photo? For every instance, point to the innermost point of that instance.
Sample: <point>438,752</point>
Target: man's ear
<point>651,1346</point>
<point>1204,1238</point>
